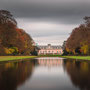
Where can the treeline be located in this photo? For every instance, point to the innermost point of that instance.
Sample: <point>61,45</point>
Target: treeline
<point>79,41</point>
<point>13,41</point>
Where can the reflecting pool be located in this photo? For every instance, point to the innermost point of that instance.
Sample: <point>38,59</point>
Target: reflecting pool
<point>46,73</point>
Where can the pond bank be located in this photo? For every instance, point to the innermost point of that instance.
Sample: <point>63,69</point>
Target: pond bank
<point>11,58</point>
<point>69,57</point>
<point>77,57</point>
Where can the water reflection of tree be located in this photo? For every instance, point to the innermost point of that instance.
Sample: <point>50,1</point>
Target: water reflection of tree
<point>79,73</point>
<point>14,74</point>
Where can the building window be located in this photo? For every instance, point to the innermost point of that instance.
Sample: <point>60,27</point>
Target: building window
<point>49,51</point>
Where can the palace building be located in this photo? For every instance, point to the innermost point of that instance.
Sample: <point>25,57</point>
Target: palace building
<point>50,50</point>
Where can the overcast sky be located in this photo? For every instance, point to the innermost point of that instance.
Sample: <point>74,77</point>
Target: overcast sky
<point>48,21</point>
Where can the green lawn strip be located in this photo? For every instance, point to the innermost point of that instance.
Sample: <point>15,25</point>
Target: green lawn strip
<point>77,57</point>
<point>9,58</point>
<point>70,57</point>
<point>49,55</point>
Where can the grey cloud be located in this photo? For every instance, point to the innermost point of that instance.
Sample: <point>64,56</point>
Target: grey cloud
<point>58,11</point>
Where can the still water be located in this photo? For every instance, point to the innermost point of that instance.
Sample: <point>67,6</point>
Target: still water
<point>45,74</point>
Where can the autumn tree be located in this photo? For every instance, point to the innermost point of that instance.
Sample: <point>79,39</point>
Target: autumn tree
<point>80,35</point>
<point>14,41</point>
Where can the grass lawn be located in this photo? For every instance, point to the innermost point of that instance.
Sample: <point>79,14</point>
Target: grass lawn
<point>77,57</point>
<point>49,55</point>
<point>71,57</point>
<point>9,58</point>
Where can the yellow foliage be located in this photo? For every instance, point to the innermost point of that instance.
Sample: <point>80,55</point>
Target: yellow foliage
<point>67,49</point>
<point>9,50</point>
<point>73,51</point>
<point>26,44</point>
<point>84,49</point>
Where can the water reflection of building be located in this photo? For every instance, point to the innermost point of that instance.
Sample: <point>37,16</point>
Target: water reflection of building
<point>49,49</point>
<point>50,61</point>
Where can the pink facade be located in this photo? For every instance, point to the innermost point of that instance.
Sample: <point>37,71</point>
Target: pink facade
<point>44,50</point>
